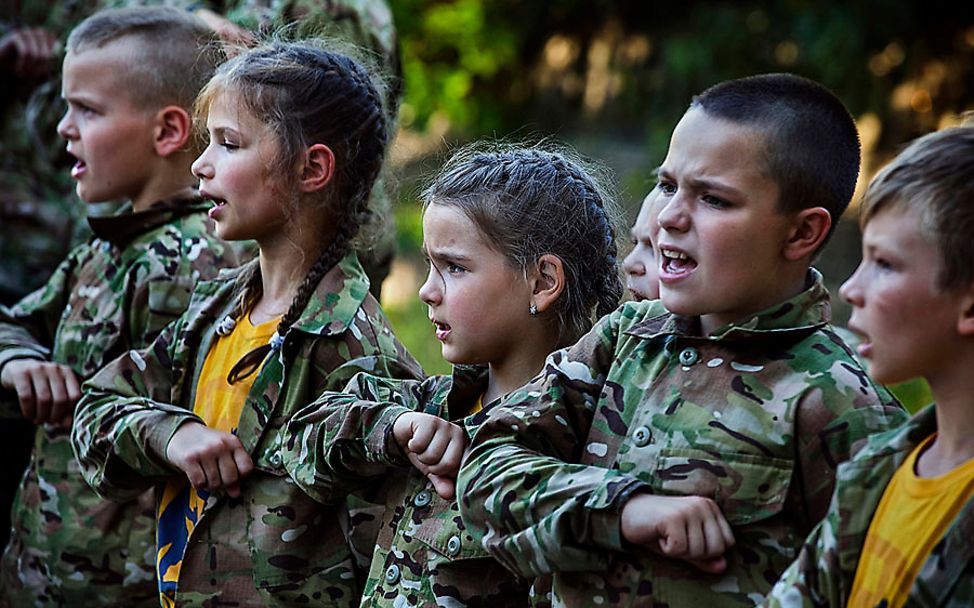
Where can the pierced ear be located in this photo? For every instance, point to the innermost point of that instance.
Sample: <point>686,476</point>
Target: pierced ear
<point>173,130</point>
<point>965,321</point>
<point>809,230</point>
<point>318,169</point>
<point>548,281</point>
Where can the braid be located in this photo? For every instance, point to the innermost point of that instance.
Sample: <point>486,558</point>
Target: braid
<point>307,95</point>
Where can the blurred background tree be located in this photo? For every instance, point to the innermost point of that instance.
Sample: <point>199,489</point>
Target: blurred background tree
<point>613,78</point>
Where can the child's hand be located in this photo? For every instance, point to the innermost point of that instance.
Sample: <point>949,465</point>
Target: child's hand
<point>26,52</point>
<point>47,391</point>
<point>211,459</point>
<point>434,446</point>
<point>691,528</point>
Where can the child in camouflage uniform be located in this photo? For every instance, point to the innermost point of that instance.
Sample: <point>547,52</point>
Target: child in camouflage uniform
<point>503,291</point>
<point>130,78</point>
<point>297,136</point>
<point>707,430</point>
<point>900,526</point>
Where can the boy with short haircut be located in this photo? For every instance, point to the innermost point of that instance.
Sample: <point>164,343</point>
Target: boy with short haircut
<point>900,526</point>
<point>707,430</point>
<point>130,78</point>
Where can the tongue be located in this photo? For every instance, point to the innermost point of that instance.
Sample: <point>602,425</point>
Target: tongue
<point>680,265</point>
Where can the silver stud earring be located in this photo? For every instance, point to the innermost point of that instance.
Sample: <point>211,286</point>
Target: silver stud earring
<point>533,309</point>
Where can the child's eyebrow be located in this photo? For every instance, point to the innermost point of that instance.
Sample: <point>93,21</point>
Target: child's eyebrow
<point>447,253</point>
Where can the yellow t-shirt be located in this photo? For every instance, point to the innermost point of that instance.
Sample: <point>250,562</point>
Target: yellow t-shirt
<point>912,517</point>
<point>219,404</point>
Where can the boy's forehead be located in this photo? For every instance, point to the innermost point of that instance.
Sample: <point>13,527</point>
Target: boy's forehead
<point>110,68</point>
<point>707,142</point>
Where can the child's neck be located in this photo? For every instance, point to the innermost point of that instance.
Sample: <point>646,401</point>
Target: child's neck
<point>171,180</point>
<point>954,400</point>
<point>515,371</point>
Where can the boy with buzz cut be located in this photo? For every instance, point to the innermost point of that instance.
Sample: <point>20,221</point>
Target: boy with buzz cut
<point>900,526</point>
<point>705,426</point>
<point>130,78</point>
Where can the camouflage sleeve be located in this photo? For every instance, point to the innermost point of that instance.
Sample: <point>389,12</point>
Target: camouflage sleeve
<point>833,421</point>
<point>521,490</point>
<point>124,421</point>
<point>812,580</point>
<point>27,328</point>
<point>342,440</point>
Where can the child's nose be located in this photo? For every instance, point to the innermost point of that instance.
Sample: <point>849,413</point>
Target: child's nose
<point>673,215</point>
<point>430,291</point>
<point>201,168</point>
<point>632,265</point>
<point>66,128</point>
<point>851,291</point>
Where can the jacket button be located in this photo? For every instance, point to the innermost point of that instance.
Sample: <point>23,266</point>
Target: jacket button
<point>689,356</point>
<point>276,459</point>
<point>642,436</point>
<point>453,546</point>
<point>392,574</point>
<point>423,498</point>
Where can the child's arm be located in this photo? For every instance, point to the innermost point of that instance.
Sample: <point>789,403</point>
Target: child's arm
<point>125,420</point>
<point>345,439</point>
<point>814,579</point>
<point>46,392</point>
<point>521,487</point>
<point>835,416</point>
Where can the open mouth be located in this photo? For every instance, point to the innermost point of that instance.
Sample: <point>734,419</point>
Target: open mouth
<point>79,168</point>
<point>675,264</point>
<point>442,330</point>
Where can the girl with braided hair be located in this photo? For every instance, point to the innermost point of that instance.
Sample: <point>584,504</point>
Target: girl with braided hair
<point>522,252</point>
<point>296,139</point>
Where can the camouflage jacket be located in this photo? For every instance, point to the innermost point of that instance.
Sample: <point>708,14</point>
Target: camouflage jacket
<point>116,292</point>
<point>754,416</point>
<point>826,567</point>
<point>424,555</point>
<point>274,546</point>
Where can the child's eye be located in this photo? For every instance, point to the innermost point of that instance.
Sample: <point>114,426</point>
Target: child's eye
<point>455,269</point>
<point>229,145</point>
<point>883,264</point>
<point>715,201</point>
<point>666,187</point>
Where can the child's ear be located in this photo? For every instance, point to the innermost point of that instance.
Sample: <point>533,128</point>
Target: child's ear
<point>173,130</point>
<point>548,281</point>
<point>965,321</point>
<point>318,168</point>
<point>809,229</point>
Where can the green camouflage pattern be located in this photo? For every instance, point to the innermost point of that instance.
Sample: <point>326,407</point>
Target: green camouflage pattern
<point>755,417</point>
<point>114,293</point>
<point>424,555</point>
<point>826,566</point>
<point>273,546</point>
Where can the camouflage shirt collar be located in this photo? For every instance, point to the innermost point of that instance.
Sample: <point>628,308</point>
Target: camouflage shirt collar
<point>336,300</point>
<point>469,382</point>
<point>124,225</point>
<point>808,310</point>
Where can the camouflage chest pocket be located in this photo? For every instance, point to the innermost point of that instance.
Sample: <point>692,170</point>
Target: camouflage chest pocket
<point>168,299</point>
<point>442,530</point>
<point>747,487</point>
